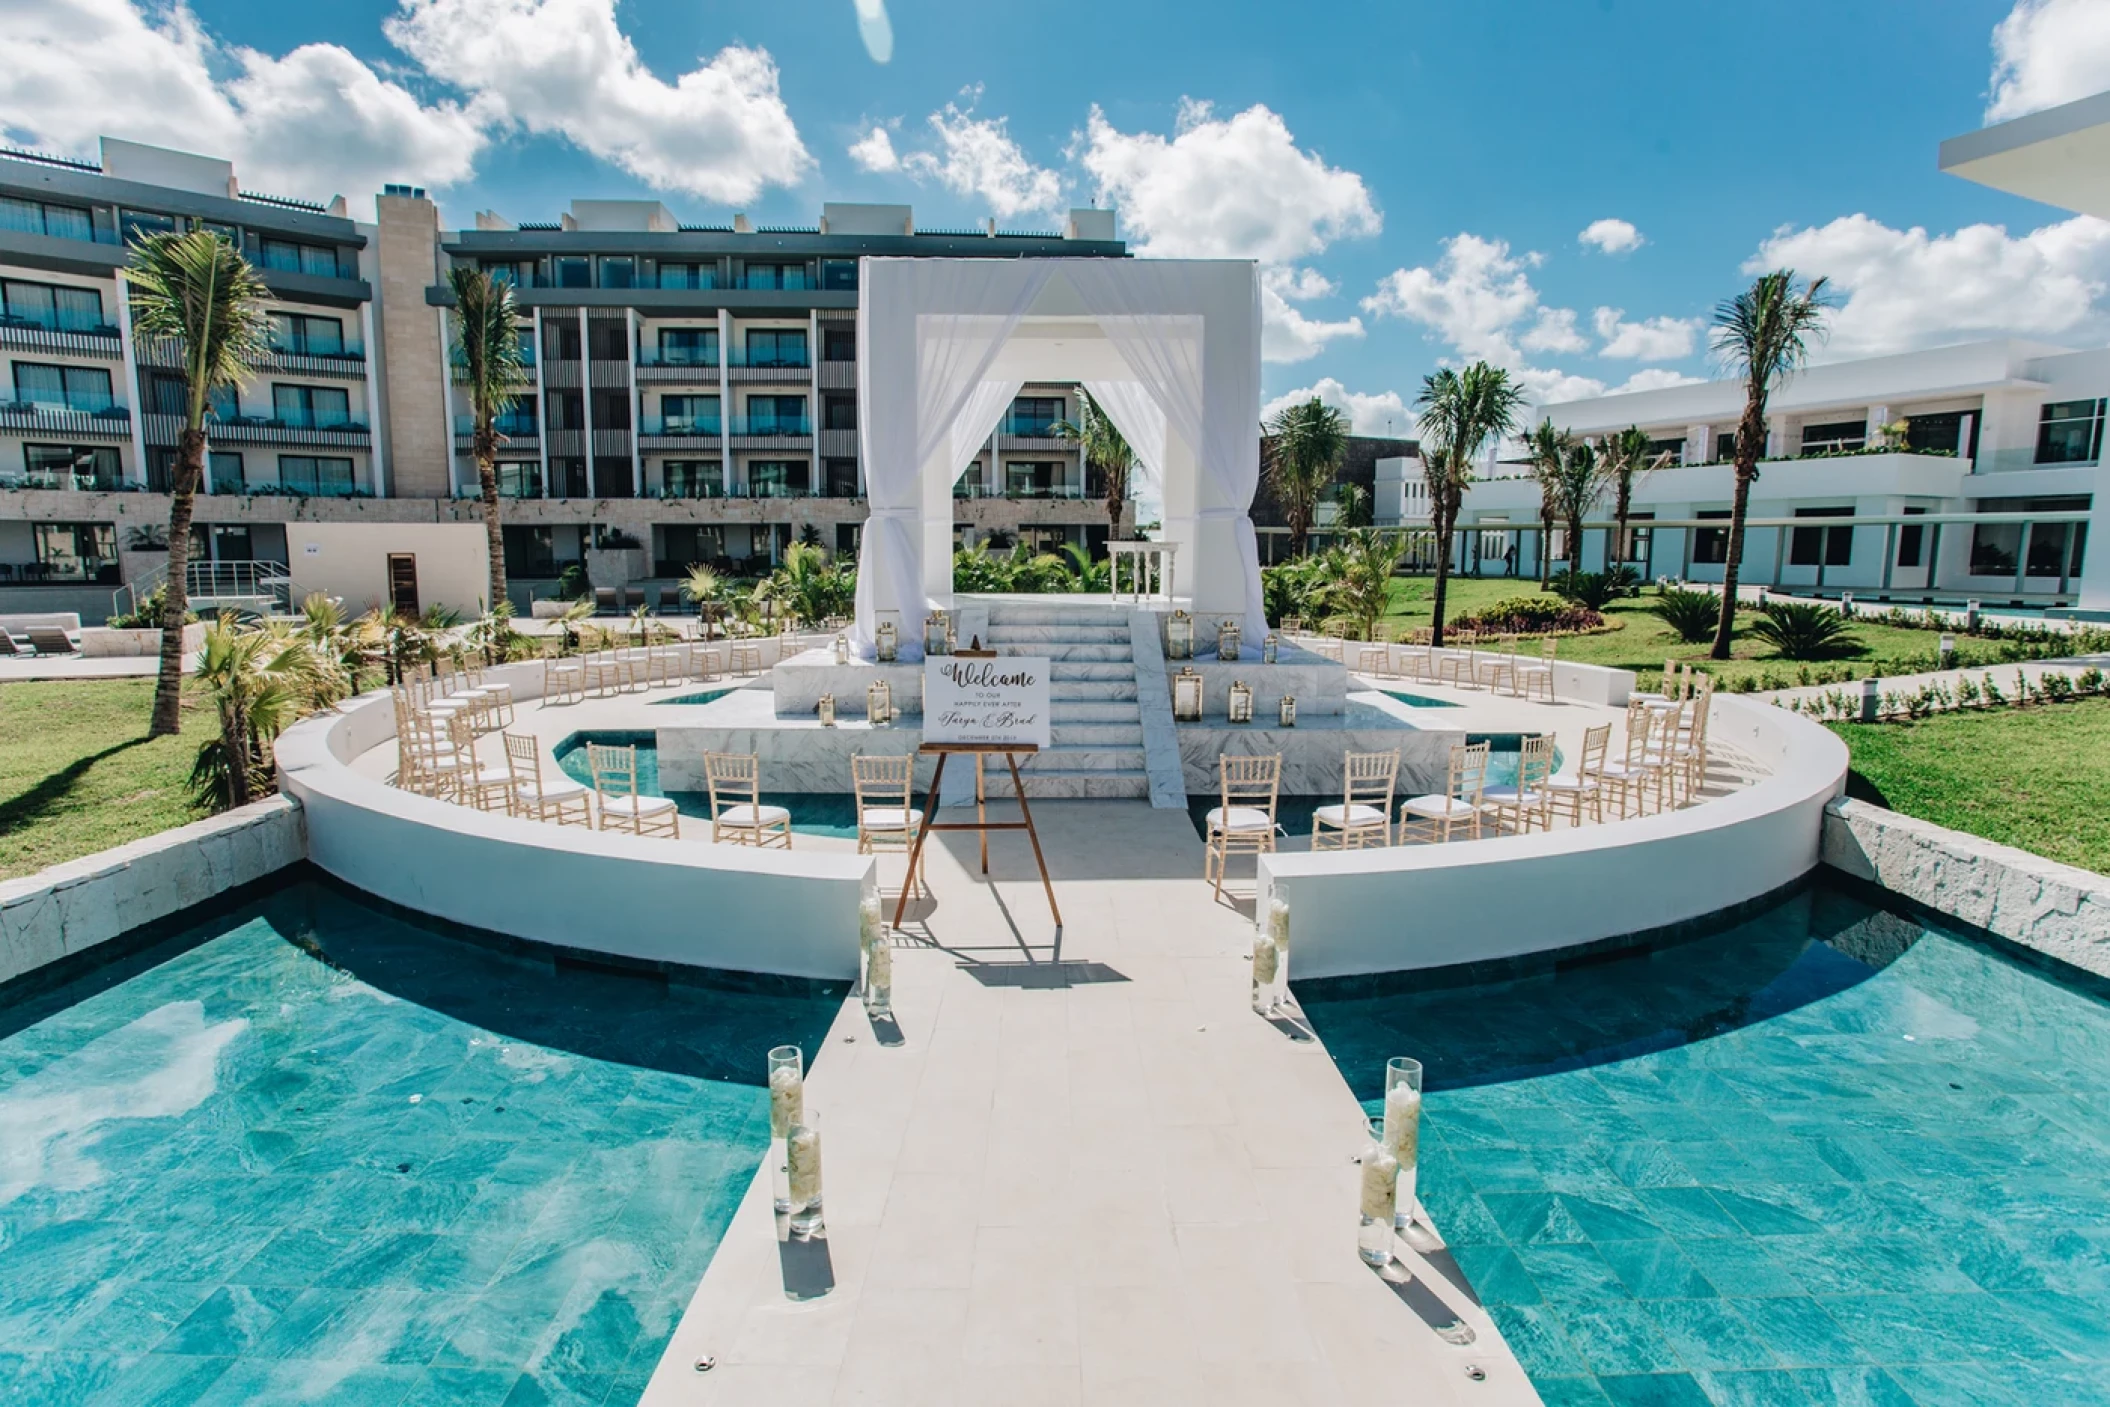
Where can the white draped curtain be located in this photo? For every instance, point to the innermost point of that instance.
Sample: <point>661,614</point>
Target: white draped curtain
<point>927,334</point>
<point>1139,419</point>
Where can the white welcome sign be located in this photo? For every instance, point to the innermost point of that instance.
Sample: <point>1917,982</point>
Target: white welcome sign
<point>1003,700</point>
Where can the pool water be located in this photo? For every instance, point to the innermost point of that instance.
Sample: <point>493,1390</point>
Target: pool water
<point>310,1153</point>
<point>1420,700</point>
<point>1826,1155</point>
<point>1293,813</point>
<point>812,813</point>
<point>706,696</point>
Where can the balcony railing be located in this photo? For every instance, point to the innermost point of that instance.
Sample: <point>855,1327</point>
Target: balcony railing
<point>329,348</point>
<point>294,418</point>
<point>700,357</point>
<point>685,425</point>
<point>1030,427</point>
<point>57,320</point>
<point>87,233</point>
<point>522,427</point>
<point>967,488</point>
<point>775,361</point>
<point>771,425</point>
<point>64,402</point>
<point>67,481</point>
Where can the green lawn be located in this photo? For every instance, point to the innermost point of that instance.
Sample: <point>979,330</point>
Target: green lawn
<point>2029,777</point>
<point>1641,642</point>
<point>77,773</point>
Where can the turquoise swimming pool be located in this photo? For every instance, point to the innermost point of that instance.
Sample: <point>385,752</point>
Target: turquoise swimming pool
<point>309,1152</point>
<point>1830,1154</point>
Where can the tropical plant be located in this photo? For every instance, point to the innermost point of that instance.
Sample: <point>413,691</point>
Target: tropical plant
<point>703,588</point>
<point>146,614</point>
<point>571,624</point>
<point>573,584</point>
<point>1532,615</point>
<point>1293,590</point>
<point>198,294</point>
<point>1578,483</point>
<point>1546,447</point>
<point>1358,574</point>
<point>1086,573</point>
<point>1803,630</point>
<point>810,534</point>
<point>490,372</point>
<point>1691,614</point>
<point>1106,450</point>
<point>1461,411</point>
<point>1595,590</point>
<point>1304,445</point>
<point>1763,334</point>
<point>1622,459</point>
<point>494,637</point>
<point>809,588</point>
<point>1353,501</point>
<point>258,680</point>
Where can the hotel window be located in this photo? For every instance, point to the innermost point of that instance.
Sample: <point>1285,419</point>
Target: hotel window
<point>1035,479</point>
<point>769,346</point>
<point>1725,448</point>
<point>840,478</point>
<point>81,467</point>
<point>285,256</point>
<point>1674,448</point>
<point>76,551</point>
<point>1911,539</point>
<point>507,271</point>
<point>531,550</point>
<point>50,387</point>
<point>1940,433</point>
<point>320,476</point>
<point>307,335</point>
<point>53,307</point>
<point>1834,438</point>
<point>690,544</point>
<point>560,339</point>
<point>1995,547</point>
<point>311,407</point>
<point>138,224</point>
<point>777,415</point>
<point>839,274</point>
<point>776,478</point>
<point>608,339</point>
<point>1711,545</point>
<point>41,218</point>
<point>693,478</point>
<point>786,276</point>
<point>839,344</point>
<point>2070,432</point>
<point>689,415</point>
<point>618,273</point>
<point>688,346</point>
<point>687,275</point>
<point>567,476</point>
<point>841,412</point>
<point>611,410</point>
<point>1821,546</point>
<point>567,410</point>
<point>571,272</point>
<point>1033,416</point>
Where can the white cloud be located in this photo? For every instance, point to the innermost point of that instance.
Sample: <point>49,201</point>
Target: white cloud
<point>1555,331</point>
<point>2048,52</point>
<point>874,151</point>
<point>1906,288</point>
<point>1655,378</point>
<point>1225,188</point>
<point>1369,413</point>
<point>1652,340</point>
<point>1474,298</point>
<point>976,156</point>
<point>563,67</point>
<point>313,123</point>
<point>1286,333</point>
<point>1611,236</point>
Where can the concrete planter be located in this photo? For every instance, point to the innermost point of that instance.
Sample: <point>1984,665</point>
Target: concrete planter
<point>98,642</point>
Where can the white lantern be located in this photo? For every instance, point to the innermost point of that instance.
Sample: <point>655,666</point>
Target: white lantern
<point>879,703</point>
<point>842,649</point>
<point>1289,710</point>
<point>1270,648</point>
<point>1179,636</point>
<point>887,639</point>
<point>827,710</point>
<point>1187,695</point>
<point>1227,635</point>
<point>1241,702</point>
<point>937,634</point>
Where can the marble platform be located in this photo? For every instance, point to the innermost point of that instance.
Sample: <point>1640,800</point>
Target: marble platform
<point>1311,752</point>
<point>798,683</point>
<point>1320,684</point>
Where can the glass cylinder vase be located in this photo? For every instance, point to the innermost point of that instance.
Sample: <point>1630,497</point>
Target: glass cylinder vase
<point>878,949</point>
<point>787,1105</point>
<point>1402,1129</point>
<point>1380,1187</point>
<point>803,1160</point>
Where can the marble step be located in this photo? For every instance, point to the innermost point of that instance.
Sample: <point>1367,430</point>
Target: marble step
<point>1062,690</point>
<point>1121,654</point>
<point>1015,639</point>
<point>1087,757</point>
<point>1106,671</point>
<point>1121,735</point>
<point>1096,710</point>
<point>1048,785</point>
<point>1055,613</point>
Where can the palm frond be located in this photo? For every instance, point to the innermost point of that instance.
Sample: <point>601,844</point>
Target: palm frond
<point>196,291</point>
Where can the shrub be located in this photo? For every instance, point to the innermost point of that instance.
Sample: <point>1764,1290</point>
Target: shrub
<point>1595,589</point>
<point>146,614</point>
<point>1692,614</point>
<point>573,584</point>
<point>1294,589</point>
<point>1802,630</point>
<point>1533,615</point>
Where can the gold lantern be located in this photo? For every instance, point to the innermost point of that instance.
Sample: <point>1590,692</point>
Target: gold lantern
<point>842,649</point>
<point>1241,702</point>
<point>1289,710</point>
<point>937,634</point>
<point>1270,648</point>
<point>1187,695</point>
<point>879,703</point>
<point>827,710</point>
<point>1227,641</point>
<point>1179,636</point>
<point>887,639</point>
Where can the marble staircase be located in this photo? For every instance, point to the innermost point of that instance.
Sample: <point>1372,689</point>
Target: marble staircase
<point>1097,722</point>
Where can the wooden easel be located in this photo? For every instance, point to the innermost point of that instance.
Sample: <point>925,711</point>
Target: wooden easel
<point>981,821</point>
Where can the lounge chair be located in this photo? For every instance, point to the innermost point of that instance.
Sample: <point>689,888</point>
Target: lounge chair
<point>48,641</point>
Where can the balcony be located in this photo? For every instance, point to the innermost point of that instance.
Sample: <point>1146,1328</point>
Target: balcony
<point>770,432</point>
<point>81,228</point>
<point>31,329</point>
<point>67,481</point>
<point>514,429</point>
<point>784,368</point>
<point>81,417</point>
<point>1022,493</point>
<point>679,432</point>
<point>295,429</point>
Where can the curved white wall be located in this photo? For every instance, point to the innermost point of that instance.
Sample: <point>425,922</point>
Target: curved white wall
<point>792,913</point>
<point>1416,906</point>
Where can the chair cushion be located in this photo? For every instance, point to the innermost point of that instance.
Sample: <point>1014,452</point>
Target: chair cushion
<point>1581,784</point>
<point>746,816</point>
<point>1509,796</point>
<point>888,818</point>
<point>549,791</point>
<point>1436,808</point>
<point>1239,820</point>
<point>636,805</point>
<point>1345,816</point>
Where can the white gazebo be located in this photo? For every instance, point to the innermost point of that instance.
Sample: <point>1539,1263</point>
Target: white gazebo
<point>1170,348</point>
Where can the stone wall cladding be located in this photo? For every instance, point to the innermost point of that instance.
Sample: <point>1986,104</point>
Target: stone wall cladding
<point>72,907</point>
<point>2050,908</point>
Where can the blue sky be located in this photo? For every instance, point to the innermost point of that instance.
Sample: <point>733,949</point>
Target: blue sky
<point>1416,184</point>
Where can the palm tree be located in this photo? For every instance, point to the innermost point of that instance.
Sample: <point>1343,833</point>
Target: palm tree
<point>1305,445</point>
<point>1624,457</point>
<point>260,680</point>
<point>491,374</point>
<point>1546,446</point>
<point>1461,411</point>
<point>196,292</point>
<point>703,588</point>
<point>1359,577</point>
<point>1106,450</point>
<point>1763,334</point>
<point>1577,485</point>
